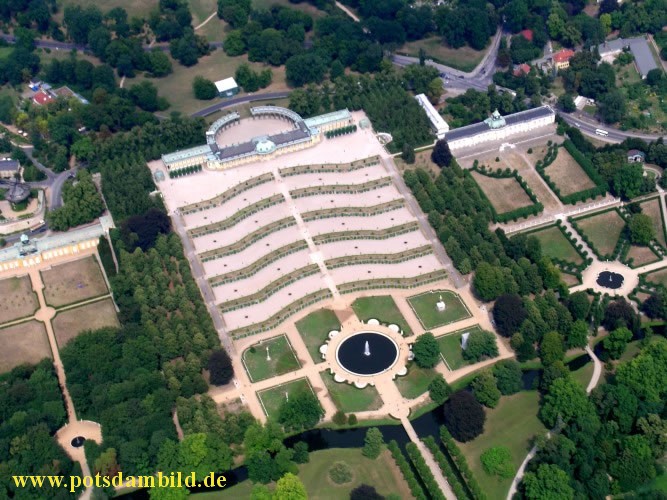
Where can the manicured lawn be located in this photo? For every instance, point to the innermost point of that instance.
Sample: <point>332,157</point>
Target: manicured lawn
<point>512,424</point>
<point>273,397</point>
<point>314,329</point>
<point>583,375</point>
<point>464,59</point>
<point>652,209</point>
<point>556,245</point>
<point>382,308</point>
<point>450,347</point>
<point>348,398</point>
<point>603,230</point>
<point>424,306</point>
<point>415,383</point>
<point>658,277</point>
<point>282,359</point>
<point>5,51</point>
<point>380,473</point>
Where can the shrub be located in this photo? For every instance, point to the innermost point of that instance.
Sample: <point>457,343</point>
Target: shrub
<point>339,418</point>
<point>439,390</point>
<point>497,461</point>
<point>220,367</point>
<point>406,470</point>
<point>340,473</point>
<point>424,471</point>
<point>352,419</point>
<point>372,443</point>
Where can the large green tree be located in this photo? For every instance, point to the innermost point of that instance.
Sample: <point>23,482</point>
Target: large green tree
<point>485,389</point>
<point>641,229</point>
<point>426,350</point>
<point>549,482</point>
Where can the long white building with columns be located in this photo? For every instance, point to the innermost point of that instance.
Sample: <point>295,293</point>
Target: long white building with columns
<point>498,127</point>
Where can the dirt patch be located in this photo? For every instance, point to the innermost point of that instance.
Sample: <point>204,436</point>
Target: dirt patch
<point>569,279</point>
<point>524,165</point>
<point>567,174</point>
<point>73,282</point>
<point>23,343</point>
<point>18,299</point>
<point>68,324</point>
<point>504,194</point>
<point>422,160</point>
<point>641,256</point>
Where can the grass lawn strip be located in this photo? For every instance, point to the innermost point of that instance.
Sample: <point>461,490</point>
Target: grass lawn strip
<point>282,359</point>
<point>73,282</point>
<point>513,423</point>
<point>18,299</point>
<point>464,58</point>
<point>653,210</point>
<point>603,230</point>
<point>70,323</point>
<point>556,246</point>
<point>567,174</point>
<point>382,308</point>
<point>314,330</point>
<point>348,398</point>
<point>450,347</point>
<point>23,343</point>
<point>505,194</point>
<point>415,383</point>
<point>424,307</point>
<point>273,397</point>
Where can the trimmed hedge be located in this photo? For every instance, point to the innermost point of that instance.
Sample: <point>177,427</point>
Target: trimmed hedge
<point>460,460</point>
<point>600,188</point>
<point>185,171</point>
<point>104,250</point>
<point>424,472</point>
<point>513,215</point>
<point>350,129</point>
<point>446,468</point>
<point>406,470</point>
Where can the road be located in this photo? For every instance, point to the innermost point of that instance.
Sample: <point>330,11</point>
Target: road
<point>240,100</point>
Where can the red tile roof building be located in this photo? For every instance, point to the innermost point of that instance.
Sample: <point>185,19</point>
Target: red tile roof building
<point>522,69</point>
<point>562,58</point>
<point>527,34</point>
<point>41,98</point>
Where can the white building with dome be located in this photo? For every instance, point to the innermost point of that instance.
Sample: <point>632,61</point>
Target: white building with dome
<point>498,127</point>
<point>215,156</point>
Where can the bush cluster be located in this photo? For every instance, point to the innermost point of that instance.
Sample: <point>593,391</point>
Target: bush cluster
<point>446,468</point>
<point>600,188</point>
<point>424,472</point>
<point>519,213</point>
<point>184,171</point>
<point>350,129</point>
<point>461,463</point>
<point>406,470</point>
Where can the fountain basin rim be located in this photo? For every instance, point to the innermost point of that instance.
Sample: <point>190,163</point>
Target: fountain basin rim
<point>375,332</point>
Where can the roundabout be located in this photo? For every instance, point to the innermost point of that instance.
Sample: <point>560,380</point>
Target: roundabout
<point>613,278</point>
<point>365,353</point>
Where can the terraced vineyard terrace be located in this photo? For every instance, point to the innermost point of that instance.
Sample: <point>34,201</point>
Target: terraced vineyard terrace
<point>413,282</point>
<point>237,217</point>
<point>330,167</point>
<point>227,195</point>
<point>247,240</point>
<point>389,258</point>
<point>368,234</point>
<point>341,189</point>
<point>353,211</point>
<point>269,290</point>
<point>258,265</point>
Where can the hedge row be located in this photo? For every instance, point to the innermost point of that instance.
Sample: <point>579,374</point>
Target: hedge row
<point>446,468</point>
<point>514,215</point>
<point>350,129</point>
<point>406,470</point>
<point>424,472</point>
<point>617,248</point>
<point>461,463</point>
<point>587,260</point>
<point>184,171</point>
<point>600,188</point>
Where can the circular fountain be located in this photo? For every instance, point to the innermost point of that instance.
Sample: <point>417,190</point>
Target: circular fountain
<point>609,279</point>
<point>78,441</point>
<point>367,353</point>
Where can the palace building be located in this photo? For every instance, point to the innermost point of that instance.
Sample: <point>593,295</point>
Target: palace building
<point>220,154</point>
<point>500,127</point>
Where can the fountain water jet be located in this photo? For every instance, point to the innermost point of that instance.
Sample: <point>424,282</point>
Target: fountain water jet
<point>367,351</point>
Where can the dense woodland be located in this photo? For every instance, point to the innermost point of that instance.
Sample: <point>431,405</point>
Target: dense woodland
<point>31,411</point>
